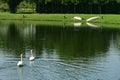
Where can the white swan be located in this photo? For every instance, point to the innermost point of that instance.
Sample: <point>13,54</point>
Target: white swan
<point>77,18</point>
<point>93,18</point>
<point>20,63</point>
<point>31,57</point>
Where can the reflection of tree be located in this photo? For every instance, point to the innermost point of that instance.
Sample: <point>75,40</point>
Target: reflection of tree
<point>116,38</point>
<point>70,44</point>
<point>14,40</point>
<point>64,41</point>
<point>11,38</point>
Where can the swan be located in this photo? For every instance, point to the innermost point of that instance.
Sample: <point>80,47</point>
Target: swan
<point>20,63</point>
<point>31,57</point>
<point>77,18</point>
<point>93,18</point>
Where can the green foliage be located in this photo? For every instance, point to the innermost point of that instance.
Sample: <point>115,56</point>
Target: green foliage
<point>12,4</point>
<point>64,6</point>
<point>26,5</point>
<point>4,7</point>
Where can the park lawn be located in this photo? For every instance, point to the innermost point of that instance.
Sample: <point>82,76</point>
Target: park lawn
<point>107,18</point>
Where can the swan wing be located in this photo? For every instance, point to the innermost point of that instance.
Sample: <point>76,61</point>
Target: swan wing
<point>31,58</point>
<point>77,18</point>
<point>93,18</point>
<point>20,63</point>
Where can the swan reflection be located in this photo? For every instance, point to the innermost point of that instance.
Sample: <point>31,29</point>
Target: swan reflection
<point>31,63</point>
<point>20,72</point>
<point>92,25</point>
<point>77,24</point>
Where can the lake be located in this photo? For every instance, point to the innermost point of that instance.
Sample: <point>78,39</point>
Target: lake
<point>62,52</point>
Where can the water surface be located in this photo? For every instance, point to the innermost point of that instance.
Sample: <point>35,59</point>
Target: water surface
<point>62,52</point>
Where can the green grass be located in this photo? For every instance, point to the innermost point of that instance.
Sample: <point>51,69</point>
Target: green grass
<point>33,17</point>
<point>107,18</point>
<point>56,23</point>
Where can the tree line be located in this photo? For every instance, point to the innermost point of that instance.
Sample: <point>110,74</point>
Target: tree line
<point>69,6</point>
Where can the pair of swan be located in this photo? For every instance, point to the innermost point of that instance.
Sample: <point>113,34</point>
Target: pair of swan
<point>20,63</point>
<point>87,21</point>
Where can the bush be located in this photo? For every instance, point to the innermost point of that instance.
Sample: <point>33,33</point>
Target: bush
<point>4,7</point>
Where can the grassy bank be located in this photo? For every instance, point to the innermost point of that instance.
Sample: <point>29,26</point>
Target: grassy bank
<point>107,18</point>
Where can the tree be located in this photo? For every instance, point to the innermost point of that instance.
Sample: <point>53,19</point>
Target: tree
<point>100,4</point>
<point>12,4</point>
<point>77,6</point>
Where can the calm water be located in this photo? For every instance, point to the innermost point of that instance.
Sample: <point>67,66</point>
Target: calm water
<point>62,53</point>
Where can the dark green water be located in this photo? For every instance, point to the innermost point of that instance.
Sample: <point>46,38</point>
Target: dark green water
<point>61,52</point>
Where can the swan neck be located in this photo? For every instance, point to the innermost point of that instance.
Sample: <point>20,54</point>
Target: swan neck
<point>31,52</point>
<point>21,57</point>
